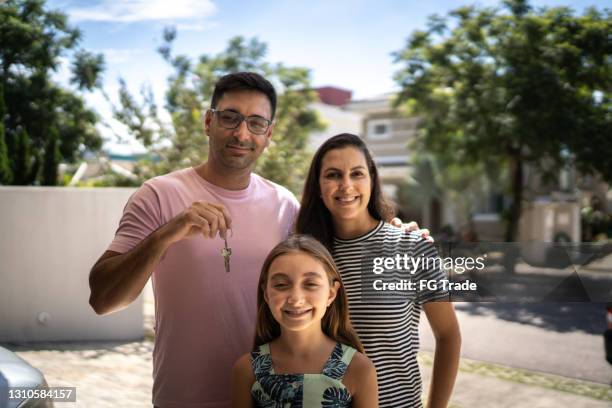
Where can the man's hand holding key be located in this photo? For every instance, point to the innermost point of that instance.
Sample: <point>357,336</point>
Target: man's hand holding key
<point>201,217</point>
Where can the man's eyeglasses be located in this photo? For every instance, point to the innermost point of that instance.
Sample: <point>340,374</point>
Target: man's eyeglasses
<point>231,120</point>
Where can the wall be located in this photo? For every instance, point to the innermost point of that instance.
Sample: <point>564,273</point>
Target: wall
<point>50,238</point>
<point>547,221</point>
<point>337,121</point>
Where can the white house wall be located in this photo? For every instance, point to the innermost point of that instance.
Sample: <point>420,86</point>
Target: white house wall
<point>50,239</point>
<point>337,120</point>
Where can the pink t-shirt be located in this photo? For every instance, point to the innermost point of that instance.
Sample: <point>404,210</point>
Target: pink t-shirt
<point>204,317</point>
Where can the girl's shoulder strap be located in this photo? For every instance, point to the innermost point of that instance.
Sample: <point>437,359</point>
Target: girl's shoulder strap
<point>264,348</point>
<point>261,361</point>
<point>347,354</point>
<point>338,362</point>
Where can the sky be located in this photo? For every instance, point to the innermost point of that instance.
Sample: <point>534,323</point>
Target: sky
<point>348,44</point>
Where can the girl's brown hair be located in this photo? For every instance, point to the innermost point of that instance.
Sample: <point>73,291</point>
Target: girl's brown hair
<point>336,323</point>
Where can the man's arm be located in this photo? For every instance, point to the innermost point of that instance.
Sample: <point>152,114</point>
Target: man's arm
<point>116,279</point>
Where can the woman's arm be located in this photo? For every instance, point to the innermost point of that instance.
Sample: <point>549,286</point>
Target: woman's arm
<point>242,381</point>
<point>443,322</point>
<point>360,380</point>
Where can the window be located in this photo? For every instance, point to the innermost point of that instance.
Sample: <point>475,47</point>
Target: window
<point>379,129</point>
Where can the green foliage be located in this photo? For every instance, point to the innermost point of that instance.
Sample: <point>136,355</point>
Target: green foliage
<point>111,180</point>
<point>596,223</point>
<point>511,86</point>
<point>6,176</point>
<point>51,159</point>
<point>43,123</point>
<point>21,158</point>
<point>465,185</point>
<point>182,142</point>
<point>87,69</point>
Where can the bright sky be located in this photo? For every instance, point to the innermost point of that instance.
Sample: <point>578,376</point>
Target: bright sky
<point>346,43</point>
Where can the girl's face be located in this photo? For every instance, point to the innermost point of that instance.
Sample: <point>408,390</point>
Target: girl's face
<point>298,291</point>
<point>345,183</point>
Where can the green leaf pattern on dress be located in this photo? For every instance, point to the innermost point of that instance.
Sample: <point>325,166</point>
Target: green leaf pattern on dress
<point>335,367</point>
<point>336,397</point>
<point>288,390</point>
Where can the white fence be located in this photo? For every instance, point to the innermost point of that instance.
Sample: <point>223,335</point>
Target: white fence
<point>49,239</point>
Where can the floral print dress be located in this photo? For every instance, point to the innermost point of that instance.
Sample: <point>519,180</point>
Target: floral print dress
<point>272,390</point>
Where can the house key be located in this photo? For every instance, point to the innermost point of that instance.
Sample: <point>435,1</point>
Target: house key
<point>226,252</point>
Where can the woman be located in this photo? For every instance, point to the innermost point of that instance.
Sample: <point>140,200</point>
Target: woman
<point>343,207</point>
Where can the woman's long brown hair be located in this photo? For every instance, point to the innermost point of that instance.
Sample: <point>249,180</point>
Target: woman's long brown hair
<point>336,322</point>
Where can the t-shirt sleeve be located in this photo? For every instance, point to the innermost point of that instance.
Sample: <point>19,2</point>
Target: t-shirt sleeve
<point>429,270</point>
<point>290,207</point>
<point>141,216</point>
<point>294,210</point>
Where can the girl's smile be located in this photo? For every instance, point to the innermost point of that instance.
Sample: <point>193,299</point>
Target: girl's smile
<point>296,314</point>
<point>298,291</point>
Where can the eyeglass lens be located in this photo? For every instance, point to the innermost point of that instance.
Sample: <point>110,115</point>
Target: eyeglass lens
<point>232,120</point>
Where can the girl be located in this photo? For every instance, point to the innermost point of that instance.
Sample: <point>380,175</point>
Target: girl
<point>306,353</point>
<point>343,207</point>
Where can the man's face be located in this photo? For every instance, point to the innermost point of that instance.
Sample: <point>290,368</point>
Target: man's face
<point>238,149</point>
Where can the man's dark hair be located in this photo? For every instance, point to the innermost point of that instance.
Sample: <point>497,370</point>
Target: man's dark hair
<point>244,81</point>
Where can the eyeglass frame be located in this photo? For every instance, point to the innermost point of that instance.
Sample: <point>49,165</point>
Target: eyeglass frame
<point>242,119</point>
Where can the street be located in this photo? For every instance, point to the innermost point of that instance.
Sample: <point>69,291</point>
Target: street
<point>556,338</point>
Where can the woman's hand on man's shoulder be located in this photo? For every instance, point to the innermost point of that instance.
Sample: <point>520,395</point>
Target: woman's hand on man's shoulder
<point>412,226</point>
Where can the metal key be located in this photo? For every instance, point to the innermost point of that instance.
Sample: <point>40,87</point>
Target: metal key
<point>226,252</point>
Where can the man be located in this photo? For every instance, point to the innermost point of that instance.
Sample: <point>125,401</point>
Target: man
<point>170,230</point>
<point>174,229</point>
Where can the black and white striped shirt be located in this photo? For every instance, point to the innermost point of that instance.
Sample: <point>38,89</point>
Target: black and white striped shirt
<point>388,329</point>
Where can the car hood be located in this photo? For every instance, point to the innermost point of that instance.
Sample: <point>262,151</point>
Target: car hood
<point>17,372</point>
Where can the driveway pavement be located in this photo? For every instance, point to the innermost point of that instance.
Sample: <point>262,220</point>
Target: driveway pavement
<point>119,375</point>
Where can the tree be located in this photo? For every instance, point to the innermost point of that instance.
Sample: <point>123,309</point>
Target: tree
<point>512,86</point>
<point>51,158</point>
<point>435,179</point>
<point>6,175</point>
<point>182,142</point>
<point>43,122</point>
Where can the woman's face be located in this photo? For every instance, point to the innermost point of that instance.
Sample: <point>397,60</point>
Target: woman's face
<point>298,291</point>
<point>345,183</point>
